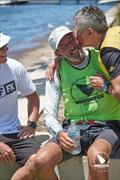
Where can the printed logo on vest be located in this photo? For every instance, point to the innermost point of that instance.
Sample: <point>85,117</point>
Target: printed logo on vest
<point>83,93</point>
<point>85,89</point>
<point>7,89</point>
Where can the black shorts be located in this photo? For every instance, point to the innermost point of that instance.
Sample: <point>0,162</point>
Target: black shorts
<point>111,133</point>
<point>111,137</point>
<point>22,148</point>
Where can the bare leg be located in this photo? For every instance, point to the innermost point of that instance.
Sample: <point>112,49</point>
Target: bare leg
<point>99,147</point>
<point>46,160</point>
<point>27,171</point>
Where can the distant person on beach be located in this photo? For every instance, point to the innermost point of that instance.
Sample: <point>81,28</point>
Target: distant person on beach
<point>17,142</point>
<point>83,104</point>
<point>91,29</point>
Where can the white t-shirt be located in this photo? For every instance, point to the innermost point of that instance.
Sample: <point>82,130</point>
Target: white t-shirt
<point>13,78</point>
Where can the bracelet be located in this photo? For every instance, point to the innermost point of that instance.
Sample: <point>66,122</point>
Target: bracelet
<point>106,86</point>
<point>32,124</point>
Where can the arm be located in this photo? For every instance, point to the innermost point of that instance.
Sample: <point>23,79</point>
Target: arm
<point>33,115</point>
<point>115,88</point>
<point>33,107</point>
<point>28,89</point>
<point>111,60</point>
<point>52,67</point>
<point>53,96</point>
<point>52,99</point>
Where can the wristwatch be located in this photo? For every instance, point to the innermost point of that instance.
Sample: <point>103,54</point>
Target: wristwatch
<point>106,86</point>
<point>32,124</point>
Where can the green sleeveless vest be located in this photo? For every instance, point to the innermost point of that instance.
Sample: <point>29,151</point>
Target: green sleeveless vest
<point>81,101</point>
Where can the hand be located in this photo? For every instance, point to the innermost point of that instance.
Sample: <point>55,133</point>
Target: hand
<point>66,143</point>
<point>97,82</point>
<point>49,73</point>
<point>6,153</point>
<point>26,132</point>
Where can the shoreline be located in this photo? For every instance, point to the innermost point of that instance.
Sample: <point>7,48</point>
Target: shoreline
<point>42,53</point>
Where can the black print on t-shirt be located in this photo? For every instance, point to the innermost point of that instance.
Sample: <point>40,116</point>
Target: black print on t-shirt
<point>8,88</point>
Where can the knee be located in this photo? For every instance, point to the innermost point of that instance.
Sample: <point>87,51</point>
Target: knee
<point>30,164</point>
<point>97,159</point>
<point>41,161</point>
<point>48,157</point>
<point>90,156</point>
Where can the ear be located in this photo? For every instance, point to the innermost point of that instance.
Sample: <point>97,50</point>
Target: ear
<point>56,52</point>
<point>90,31</point>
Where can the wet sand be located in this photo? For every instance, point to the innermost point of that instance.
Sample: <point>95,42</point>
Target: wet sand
<point>33,57</point>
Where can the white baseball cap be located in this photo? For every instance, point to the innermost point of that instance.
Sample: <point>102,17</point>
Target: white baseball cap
<point>56,35</point>
<point>4,39</point>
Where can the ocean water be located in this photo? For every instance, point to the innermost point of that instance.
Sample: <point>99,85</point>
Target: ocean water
<point>27,24</point>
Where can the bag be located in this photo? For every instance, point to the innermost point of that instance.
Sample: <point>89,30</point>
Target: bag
<point>88,133</point>
<point>88,136</point>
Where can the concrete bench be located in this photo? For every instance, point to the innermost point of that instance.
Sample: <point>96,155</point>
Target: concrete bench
<point>77,169</point>
<point>73,169</point>
<point>6,171</point>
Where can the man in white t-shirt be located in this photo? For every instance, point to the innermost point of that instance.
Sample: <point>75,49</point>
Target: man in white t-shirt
<point>16,142</point>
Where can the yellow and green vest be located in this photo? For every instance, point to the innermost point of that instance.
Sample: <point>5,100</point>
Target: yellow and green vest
<point>81,101</point>
<point>112,40</point>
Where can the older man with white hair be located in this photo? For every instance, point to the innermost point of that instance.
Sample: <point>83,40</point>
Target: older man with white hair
<point>83,104</point>
<point>17,142</point>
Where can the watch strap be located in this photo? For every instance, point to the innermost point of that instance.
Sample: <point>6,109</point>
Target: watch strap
<point>106,86</point>
<point>32,124</point>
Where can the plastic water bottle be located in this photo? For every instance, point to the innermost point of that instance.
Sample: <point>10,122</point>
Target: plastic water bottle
<point>74,134</point>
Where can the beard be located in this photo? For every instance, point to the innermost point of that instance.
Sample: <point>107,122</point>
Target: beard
<point>73,59</point>
<point>77,57</point>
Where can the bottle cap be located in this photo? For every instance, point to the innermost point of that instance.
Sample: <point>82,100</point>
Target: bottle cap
<point>72,121</point>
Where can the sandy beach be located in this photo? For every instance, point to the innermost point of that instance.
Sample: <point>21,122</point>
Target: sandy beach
<point>32,57</point>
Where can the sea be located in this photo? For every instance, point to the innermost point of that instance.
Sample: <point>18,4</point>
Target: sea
<point>28,23</point>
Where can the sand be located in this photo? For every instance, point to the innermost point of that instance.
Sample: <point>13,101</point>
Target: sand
<point>35,56</point>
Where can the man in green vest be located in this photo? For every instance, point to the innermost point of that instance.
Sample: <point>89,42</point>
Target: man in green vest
<point>82,103</point>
